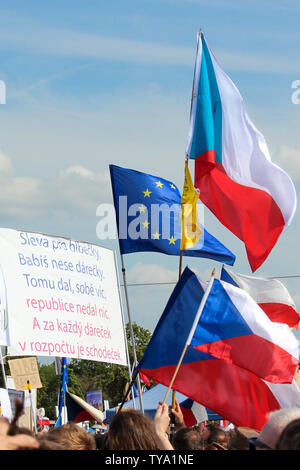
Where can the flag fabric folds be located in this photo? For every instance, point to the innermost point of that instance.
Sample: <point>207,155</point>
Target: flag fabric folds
<point>234,328</point>
<point>145,380</point>
<point>157,227</point>
<point>250,195</point>
<point>193,413</point>
<point>62,390</point>
<point>232,392</point>
<point>270,294</point>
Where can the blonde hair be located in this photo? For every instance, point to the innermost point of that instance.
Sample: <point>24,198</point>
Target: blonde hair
<point>70,436</point>
<point>131,430</point>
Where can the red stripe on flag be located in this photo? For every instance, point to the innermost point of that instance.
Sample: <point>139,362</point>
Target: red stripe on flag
<point>252,352</point>
<point>281,313</point>
<point>249,213</point>
<point>234,393</point>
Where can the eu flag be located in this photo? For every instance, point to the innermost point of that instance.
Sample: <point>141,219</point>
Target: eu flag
<point>148,210</point>
<point>62,389</point>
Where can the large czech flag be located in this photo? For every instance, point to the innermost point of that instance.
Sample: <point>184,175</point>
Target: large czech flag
<point>234,328</point>
<point>250,195</point>
<point>233,392</point>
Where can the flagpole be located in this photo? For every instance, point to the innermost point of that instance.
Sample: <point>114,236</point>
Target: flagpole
<point>192,331</point>
<point>29,387</point>
<point>124,329</point>
<point>128,391</point>
<point>182,220</point>
<point>135,363</point>
<point>182,229</point>
<point>129,317</point>
<point>3,369</point>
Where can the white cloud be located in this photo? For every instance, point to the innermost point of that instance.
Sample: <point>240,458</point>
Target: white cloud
<point>19,195</point>
<point>80,190</point>
<point>6,167</point>
<point>26,35</point>
<point>142,273</point>
<point>75,190</point>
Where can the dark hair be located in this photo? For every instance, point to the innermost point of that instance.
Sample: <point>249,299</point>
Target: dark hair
<point>188,439</point>
<point>289,438</point>
<point>101,441</point>
<point>217,435</point>
<point>14,429</point>
<point>131,430</point>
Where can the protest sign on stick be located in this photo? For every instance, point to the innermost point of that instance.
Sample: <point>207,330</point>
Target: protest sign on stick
<point>24,370</point>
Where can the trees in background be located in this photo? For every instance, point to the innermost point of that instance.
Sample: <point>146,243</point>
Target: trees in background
<point>85,376</point>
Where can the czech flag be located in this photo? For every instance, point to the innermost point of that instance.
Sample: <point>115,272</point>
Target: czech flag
<point>234,328</point>
<point>250,195</point>
<point>232,392</point>
<point>271,295</point>
<point>79,410</point>
<point>193,413</point>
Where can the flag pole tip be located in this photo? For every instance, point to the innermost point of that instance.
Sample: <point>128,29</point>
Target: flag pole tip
<point>213,272</point>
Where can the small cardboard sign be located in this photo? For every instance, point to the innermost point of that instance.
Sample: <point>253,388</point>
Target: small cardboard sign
<point>25,373</point>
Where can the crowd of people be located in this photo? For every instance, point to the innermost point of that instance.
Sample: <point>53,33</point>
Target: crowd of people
<point>132,430</point>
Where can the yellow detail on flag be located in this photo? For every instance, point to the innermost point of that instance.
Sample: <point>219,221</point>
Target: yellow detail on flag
<point>28,385</point>
<point>190,225</point>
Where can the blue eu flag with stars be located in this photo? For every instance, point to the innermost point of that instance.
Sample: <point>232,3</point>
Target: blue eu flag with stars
<point>148,212</point>
<point>62,389</point>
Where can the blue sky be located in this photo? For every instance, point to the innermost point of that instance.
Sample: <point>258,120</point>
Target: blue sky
<point>93,83</point>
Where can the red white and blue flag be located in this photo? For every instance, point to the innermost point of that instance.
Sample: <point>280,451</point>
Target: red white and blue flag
<point>249,194</point>
<point>270,294</point>
<point>193,413</point>
<point>234,393</point>
<point>234,328</point>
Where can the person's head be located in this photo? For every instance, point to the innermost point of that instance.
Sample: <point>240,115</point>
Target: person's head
<point>215,446</point>
<point>131,430</point>
<point>237,440</point>
<point>271,431</point>
<point>70,436</point>
<point>289,439</point>
<point>188,439</point>
<point>101,441</point>
<point>217,435</point>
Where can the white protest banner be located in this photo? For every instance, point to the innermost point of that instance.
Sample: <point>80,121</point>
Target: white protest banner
<point>63,298</point>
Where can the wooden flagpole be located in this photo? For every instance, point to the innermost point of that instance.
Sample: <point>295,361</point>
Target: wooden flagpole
<point>181,251</point>
<point>196,320</point>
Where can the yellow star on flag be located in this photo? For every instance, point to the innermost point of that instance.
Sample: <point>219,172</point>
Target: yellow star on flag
<point>147,193</point>
<point>172,186</point>
<point>146,224</point>
<point>172,240</point>
<point>142,208</point>
<point>159,184</point>
<point>156,236</point>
